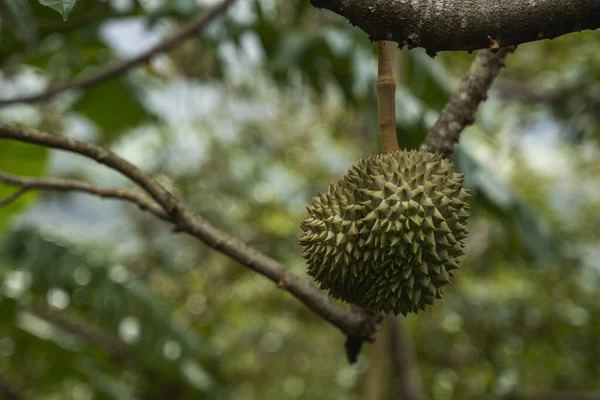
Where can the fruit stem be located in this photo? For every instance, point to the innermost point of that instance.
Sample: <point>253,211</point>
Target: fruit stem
<point>386,98</point>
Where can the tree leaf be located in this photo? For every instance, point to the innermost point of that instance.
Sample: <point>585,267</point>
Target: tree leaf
<point>113,106</point>
<point>64,7</point>
<point>23,159</point>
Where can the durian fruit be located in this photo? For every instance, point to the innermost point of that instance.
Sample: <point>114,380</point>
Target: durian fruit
<point>388,235</point>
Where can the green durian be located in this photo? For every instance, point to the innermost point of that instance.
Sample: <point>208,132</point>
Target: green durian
<point>388,235</point>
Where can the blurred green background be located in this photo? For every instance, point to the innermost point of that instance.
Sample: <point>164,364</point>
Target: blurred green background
<point>247,121</point>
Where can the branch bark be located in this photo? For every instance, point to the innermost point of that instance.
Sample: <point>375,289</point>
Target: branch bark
<point>185,32</point>
<point>439,25</point>
<point>354,323</point>
<point>25,184</point>
<point>462,106</point>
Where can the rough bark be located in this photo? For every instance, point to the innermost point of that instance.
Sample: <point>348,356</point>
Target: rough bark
<point>462,106</point>
<point>439,25</point>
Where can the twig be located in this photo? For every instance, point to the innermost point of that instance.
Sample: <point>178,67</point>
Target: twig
<point>350,321</point>
<point>12,197</point>
<point>118,351</point>
<point>84,330</point>
<point>98,153</point>
<point>178,37</point>
<point>386,98</point>
<point>460,109</point>
<point>60,184</point>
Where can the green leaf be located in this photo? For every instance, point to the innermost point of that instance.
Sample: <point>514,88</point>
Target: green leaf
<point>113,106</point>
<point>22,159</point>
<point>64,7</point>
<point>107,300</point>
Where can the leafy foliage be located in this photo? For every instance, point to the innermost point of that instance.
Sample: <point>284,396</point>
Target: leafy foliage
<point>247,121</point>
<point>64,7</point>
<point>19,158</point>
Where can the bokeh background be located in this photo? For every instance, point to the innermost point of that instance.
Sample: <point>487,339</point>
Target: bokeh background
<point>247,121</point>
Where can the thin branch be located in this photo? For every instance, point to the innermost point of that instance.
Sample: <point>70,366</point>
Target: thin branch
<point>386,97</point>
<point>118,351</point>
<point>466,25</point>
<point>462,106</point>
<point>67,185</point>
<point>12,197</point>
<point>355,323</point>
<point>185,32</point>
<point>86,331</point>
<point>405,372</point>
<point>98,153</point>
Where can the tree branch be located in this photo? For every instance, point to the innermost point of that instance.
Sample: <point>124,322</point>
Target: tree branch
<point>86,331</point>
<point>354,323</point>
<point>12,197</point>
<point>67,185</point>
<point>118,351</point>
<point>98,153</point>
<point>460,109</point>
<point>185,32</point>
<point>466,25</point>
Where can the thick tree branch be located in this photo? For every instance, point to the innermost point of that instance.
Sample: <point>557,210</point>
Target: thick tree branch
<point>73,185</point>
<point>352,322</point>
<point>439,25</point>
<point>460,109</point>
<point>185,32</point>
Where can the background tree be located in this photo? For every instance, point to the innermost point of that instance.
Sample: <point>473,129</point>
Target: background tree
<point>245,112</point>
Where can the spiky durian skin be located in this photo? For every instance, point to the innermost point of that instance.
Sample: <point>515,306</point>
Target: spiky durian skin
<point>388,235</point>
